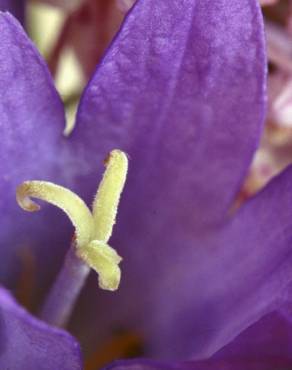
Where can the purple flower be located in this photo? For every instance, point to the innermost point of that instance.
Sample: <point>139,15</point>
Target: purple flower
<point>182,91</point>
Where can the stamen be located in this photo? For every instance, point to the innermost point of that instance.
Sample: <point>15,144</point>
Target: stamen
<point>62,198</point>
<point>106,202</point>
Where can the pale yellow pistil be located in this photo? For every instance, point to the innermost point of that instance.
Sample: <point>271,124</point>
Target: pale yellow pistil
<point>93,229</point>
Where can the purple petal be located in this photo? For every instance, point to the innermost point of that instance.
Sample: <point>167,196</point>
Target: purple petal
<point>31,123</point>
<point>261,364</point>
<point>15,7</point>
<point>29,344</point>
<point>197,295</point>
<point>266,345</point>
<point>270,338</point>
<point>228,278</point>
<point>171,91</point>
